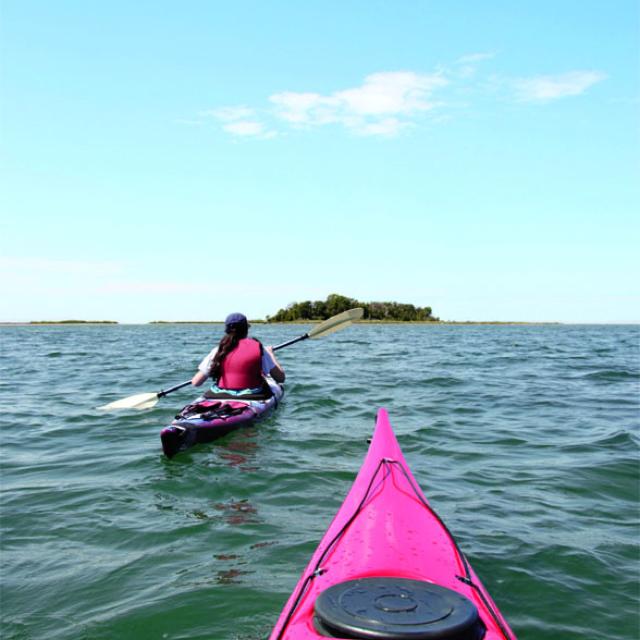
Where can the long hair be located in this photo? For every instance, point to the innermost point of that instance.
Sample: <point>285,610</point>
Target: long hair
<point>233,334</point>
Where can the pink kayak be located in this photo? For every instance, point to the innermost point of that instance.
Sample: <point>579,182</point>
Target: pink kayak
<point>388,567</point>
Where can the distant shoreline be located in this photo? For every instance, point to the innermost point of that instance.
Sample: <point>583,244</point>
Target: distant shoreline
<point>36,323</point>
<point>81,323</point>
<point>450,323</point>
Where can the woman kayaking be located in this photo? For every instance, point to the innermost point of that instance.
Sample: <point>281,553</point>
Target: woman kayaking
<point>238,365</point>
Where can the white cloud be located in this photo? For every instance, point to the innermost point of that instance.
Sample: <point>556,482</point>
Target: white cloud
<point>386,103</point>
<point>373,108</point>
<point>240,121</point>
<point>244,128</point>
<point>298,107</point>
<point>249,128</point>
<point>391,93</point>
<point>387,127</point>
<point>547,88</point>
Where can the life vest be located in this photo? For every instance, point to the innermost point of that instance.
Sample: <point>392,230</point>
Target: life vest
<point>242,368</point>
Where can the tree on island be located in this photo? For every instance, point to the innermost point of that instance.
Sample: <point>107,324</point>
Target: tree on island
<point>335,303</point>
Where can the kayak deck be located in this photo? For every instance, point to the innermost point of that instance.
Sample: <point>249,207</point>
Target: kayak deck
<point>385,529</point>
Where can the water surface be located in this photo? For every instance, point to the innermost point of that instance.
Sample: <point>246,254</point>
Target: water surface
<point>524,438</point>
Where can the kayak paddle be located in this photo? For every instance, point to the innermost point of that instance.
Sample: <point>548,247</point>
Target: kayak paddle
<point>330,325</point>
<point>334,323</point>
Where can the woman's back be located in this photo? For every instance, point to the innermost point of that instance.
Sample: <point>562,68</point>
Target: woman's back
<point>238,363</point>
<point>242,367</point>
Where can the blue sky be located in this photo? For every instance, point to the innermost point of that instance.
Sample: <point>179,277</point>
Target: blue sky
<point>178,161</point>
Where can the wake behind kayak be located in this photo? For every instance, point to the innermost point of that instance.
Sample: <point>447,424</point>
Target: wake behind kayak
<point>388,567</point>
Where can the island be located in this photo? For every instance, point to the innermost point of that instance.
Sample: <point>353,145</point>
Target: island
<point>336,303</point>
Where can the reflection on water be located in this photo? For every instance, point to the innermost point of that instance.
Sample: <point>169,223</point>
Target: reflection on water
<point>230,576</point>
<point>237,512</point>
<point>240,451</point>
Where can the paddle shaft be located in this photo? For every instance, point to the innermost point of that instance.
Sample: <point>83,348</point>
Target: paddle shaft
<point>161,394</point>
<point>286,344</point>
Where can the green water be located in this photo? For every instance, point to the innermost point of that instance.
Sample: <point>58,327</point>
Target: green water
<point>525,440</point>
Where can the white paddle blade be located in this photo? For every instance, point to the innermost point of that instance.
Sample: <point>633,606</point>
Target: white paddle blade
<point>336,323</point>
<point>139,401</point>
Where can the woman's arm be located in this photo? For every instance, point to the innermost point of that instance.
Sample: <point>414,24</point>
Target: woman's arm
<point>277,372</point>
<point>198,379</point>
<point>203,368</point>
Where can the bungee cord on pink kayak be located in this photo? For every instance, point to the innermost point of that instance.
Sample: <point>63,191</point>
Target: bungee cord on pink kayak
<point>388,567</point>
<point>318,570</point>
<point>386,464</point>
<point>467,578</point>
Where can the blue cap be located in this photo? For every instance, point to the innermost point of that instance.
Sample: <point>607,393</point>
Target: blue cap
<point>235,318</point>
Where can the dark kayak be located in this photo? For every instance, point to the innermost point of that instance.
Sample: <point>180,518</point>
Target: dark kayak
<point>205,420</point>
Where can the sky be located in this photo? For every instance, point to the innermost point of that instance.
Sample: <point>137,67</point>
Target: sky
<point>182,160</point>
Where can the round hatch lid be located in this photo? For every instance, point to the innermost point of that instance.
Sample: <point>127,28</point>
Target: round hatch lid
<point>396,609</point>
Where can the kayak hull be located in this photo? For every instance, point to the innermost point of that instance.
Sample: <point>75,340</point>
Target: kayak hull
<point>206,420</point>
<point>386,530</point>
